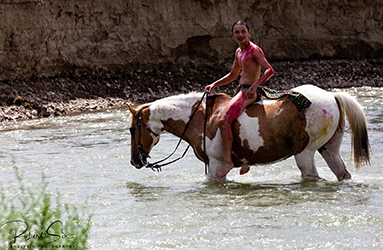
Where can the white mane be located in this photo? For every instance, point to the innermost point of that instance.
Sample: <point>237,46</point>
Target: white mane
<point>178,107</point>
<point>182,101</point>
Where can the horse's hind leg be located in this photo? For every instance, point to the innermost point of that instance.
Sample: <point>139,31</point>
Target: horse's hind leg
<point>330,152</point>
<point>305,162</point>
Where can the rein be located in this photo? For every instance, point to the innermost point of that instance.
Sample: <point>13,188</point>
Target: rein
<point>157,166</point>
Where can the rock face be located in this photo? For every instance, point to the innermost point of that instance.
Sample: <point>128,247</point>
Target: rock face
<point>41,37</point>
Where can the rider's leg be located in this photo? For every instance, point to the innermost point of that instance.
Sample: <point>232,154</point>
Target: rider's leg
<point>231,112</point>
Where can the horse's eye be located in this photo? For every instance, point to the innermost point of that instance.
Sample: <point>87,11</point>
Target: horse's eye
<point>132,130</point>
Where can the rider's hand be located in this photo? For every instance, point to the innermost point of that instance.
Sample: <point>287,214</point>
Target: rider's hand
<point>251,93</point>
<point>209,88</point>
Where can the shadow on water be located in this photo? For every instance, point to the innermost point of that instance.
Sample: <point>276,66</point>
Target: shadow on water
<point>274,194</point>
<point>320,186</point>
<point>209,193</point>
<point>143,192</point>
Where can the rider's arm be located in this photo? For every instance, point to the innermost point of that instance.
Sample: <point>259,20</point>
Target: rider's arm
<point>268,70</point>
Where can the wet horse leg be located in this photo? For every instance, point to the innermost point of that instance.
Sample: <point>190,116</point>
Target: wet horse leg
<point>214,166</point>
<point>330,152</point>
<point>305,162</point>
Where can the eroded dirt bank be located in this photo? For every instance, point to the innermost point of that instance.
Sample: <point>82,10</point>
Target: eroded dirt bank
<point>47,37</point>
<point>94,90</point>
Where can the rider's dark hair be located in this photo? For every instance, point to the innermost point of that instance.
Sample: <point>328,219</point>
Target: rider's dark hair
<point>240,22</point>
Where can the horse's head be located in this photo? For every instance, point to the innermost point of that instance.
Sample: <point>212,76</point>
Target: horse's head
<point>143,138</point>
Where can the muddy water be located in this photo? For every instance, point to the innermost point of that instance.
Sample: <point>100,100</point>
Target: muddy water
<point>86,158</point>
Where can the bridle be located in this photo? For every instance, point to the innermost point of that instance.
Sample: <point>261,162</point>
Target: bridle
<point>156,166</point>
<point>140,121</point>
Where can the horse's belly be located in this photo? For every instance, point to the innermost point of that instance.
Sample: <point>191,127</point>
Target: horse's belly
<point>244,155</point>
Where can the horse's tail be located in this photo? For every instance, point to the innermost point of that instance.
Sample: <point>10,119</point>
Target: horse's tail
<point>357,120</point>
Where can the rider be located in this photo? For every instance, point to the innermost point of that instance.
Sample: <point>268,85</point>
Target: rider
<point>250,59</point>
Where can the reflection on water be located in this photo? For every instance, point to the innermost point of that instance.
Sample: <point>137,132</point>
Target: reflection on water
<point>86,157</point>
<point>146,193</point>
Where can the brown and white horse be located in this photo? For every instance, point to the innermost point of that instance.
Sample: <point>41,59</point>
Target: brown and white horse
<point>266,132</point>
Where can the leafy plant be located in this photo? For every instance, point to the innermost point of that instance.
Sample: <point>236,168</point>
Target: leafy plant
<point>37,220</point>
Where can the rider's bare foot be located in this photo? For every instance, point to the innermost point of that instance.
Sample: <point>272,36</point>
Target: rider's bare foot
<point>225,168</point>
<point>244,170</point>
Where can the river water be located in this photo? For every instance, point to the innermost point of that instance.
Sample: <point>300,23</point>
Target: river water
<point>85,158</point>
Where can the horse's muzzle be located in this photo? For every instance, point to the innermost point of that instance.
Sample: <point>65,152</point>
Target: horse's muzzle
<point>138,166</point>
<point>139,160</point>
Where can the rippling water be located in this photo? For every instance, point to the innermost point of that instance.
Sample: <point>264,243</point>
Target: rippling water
<point>86,158</point>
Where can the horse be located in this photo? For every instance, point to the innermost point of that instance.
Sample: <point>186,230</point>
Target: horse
<point>266,132</point>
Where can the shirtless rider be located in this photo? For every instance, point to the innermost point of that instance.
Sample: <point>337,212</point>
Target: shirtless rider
<point>250,59</point>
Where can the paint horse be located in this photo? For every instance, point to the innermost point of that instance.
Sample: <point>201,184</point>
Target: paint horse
<point>267,131</point>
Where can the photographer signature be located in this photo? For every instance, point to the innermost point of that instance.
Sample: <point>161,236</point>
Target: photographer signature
<point>22,231</point>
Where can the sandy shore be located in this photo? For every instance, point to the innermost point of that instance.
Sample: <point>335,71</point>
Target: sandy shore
<point>85,90</point>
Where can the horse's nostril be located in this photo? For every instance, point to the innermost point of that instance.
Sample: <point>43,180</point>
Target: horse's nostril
<point>138,166</point>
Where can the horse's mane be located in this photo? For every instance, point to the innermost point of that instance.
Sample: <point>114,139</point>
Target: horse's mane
<point>178,106</point>
<point>174,100</point>
<point>179,101</point>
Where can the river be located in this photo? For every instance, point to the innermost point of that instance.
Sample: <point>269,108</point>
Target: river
<point>85,158</point>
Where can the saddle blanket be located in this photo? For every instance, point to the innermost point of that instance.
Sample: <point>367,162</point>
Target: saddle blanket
<point>300,101</point>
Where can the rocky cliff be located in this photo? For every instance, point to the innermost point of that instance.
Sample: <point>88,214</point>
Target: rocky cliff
<point>45,37</point>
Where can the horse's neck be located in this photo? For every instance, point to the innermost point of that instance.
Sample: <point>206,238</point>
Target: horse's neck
<point>172,114</point>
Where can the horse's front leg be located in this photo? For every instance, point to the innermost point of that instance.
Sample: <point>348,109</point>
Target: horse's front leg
<point>214,166</point>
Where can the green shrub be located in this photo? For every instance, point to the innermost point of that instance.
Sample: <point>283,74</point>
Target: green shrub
<point>37,220</point>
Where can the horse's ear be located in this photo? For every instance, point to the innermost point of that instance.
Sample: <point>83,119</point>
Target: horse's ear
<point>132,110</point>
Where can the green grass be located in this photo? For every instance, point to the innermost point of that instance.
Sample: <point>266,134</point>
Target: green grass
<point>36,219</point>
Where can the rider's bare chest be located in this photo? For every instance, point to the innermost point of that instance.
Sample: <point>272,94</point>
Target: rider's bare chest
<point>245,57</point>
